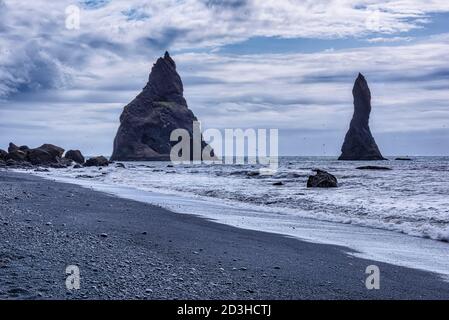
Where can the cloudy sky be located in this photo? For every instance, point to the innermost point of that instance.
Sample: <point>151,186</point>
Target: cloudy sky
<point>286,64</point>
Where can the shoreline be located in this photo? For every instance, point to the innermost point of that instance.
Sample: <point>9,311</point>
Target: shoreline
<point>365,242</point>
<point>147,252</point>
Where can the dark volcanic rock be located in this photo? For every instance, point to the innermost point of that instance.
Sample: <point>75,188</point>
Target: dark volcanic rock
<point>17,155</point>
<point>11,163</point>
<point>359,143</point>
<point>253,173</point>
<point>75,155</point>
<point>55,151</point>
<point>148,121</point>
<point>322,179</point>
<point>45,155</point>
<point>374,168</point>
<point>97,162</point>
<point>63,162</point>
<point>38,156</point>
<point>12,147</point>
<point>18,164</point>
<point>3,154</point>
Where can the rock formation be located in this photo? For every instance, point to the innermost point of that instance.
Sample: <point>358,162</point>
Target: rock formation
<point>47,154</point>
<point>17,155</point>
<point>322,179</point>
<point>374,168</point>
<point>359,143</point>
<point>12,147</point>
<point>148,121</point>
<point>75,156</point>
<point>97,162</point>
<point>3,154</point>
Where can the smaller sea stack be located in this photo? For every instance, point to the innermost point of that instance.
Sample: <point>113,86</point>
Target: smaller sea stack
<point>359,143</point>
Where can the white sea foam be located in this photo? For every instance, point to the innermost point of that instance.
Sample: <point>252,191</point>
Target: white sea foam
<point>411,199</point>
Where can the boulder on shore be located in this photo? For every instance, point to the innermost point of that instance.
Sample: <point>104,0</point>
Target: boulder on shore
<point>359,143</point>
<point>3,154</point>
<point>18,164</point>
<point>55,151</point>
<point>39,156</point>
<point>17,155</point>
<point>12,147</point>
<point>97,162</point>
<point>322,179</point>
<point>75,156</point>
<point>46,154</point>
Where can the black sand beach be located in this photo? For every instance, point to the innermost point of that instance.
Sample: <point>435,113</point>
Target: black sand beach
<point>131,250</point>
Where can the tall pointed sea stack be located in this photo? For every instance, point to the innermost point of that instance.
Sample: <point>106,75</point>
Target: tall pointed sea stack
<point>148,121</point>
<point>359,142</point>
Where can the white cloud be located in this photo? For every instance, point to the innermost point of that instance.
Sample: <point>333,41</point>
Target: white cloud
<point>83,78</point>
<point>389,40</point>
<point>127,29</point>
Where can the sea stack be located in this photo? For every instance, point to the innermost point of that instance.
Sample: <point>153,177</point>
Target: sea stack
<point>359,143</point>
<point>148,121</point>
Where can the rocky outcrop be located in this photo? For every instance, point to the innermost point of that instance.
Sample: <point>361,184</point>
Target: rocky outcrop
<point>378,168</point>
<point>75,156</point>
<point>359,143</point>
<point>47,154</point>
<point>3,155</point>
<point>322,179</point>
<point>12,148</point>
<point>39,156</point>
<point>18,164</point>
<point>97,162</point>
<point>17,155</point>
<point>148,121</point>
<point>53,150</point>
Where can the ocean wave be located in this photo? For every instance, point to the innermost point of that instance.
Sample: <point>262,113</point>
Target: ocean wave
<point>410,199</point>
